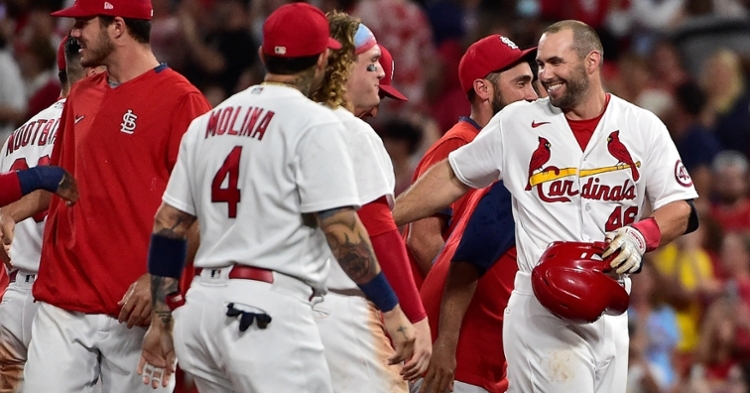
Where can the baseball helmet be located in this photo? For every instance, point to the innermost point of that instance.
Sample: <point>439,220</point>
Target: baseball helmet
<point>571,281</point>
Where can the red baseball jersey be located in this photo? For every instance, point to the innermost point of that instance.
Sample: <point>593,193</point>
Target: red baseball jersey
<point>484,237</point>
<point>120,144</point>
<point>460,134</point>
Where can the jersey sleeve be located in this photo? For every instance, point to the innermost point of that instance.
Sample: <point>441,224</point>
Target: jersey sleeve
<point>490,231</point>
<point>191,106</point>
<point>178,193</point>
<point>667,180</point>
<point>374,170</point>
<point>323,169</point>
<point>479,163</point>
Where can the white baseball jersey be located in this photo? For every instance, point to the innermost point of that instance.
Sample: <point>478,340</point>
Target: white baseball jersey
<point>28,146</point>
<point>251,169</point>
<point>374,175</point>
<point>563,193</point>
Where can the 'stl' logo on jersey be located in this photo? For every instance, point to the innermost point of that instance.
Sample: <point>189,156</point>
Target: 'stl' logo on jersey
<point>128,122</point>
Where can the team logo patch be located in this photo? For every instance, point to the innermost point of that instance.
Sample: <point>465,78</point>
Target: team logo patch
<point>681,174</point>
<point>108,6</point>
<point>128,122</point>
<point>618,150</point>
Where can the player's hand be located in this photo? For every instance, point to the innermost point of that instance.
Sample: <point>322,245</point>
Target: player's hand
<point>7,231</point>
<point>630,246</point>
<point>442,368</point>
<point>402,335</point>
<point>157,363</point>
<point>68,189</point>
<point>136,304</point>
<point>417,365</point>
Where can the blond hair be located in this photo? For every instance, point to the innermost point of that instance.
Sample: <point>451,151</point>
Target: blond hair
<point>723,102</point>
<point>333,90</point>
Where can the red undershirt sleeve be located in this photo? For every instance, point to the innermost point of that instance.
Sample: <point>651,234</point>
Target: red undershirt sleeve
<point>10,188</point>
<point>390,250</point>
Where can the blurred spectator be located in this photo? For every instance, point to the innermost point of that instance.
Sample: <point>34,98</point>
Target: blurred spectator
<point>717,371</point>
<point>667,67</point>
<point>39,69</point>
<point>167,40</point>
<point>728,100</point>
<point>651,316</point>
<point>12,91</point>
<point>731,206</point>
<point>401,139</point>
<point>221,55</point>
<point>696,144</point>
<point>688,282</point>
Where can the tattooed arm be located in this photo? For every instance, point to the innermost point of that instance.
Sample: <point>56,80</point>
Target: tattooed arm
<point>351,246</point>
<point>170,223</point>
<point>167,254</point>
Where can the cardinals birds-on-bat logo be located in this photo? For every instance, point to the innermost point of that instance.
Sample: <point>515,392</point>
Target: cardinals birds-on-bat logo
<point>540,157</point>
<point>621,153</point>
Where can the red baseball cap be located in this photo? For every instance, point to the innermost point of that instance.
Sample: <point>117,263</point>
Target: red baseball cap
<point>135,9</point>
<point>386,60</point>
<point>297,30</point>
<point>490,54</point>
<point>61,54</point>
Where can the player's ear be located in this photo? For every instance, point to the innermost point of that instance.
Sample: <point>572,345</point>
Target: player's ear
<point>323,59</point>
<point>119,27</point>
<point>593,61</point>
<point>481,89</point>
<point>261,56</point>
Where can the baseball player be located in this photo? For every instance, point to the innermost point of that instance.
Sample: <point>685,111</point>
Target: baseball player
<point>579,165</point>
<point>493,72</point>
<point>121,142</point>
<point>350,325</point>
<point>268,176</point>
<point>30,145</point>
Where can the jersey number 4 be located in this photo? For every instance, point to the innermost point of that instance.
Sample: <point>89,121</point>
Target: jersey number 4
<point>20,164</point>
<point>231,194</point>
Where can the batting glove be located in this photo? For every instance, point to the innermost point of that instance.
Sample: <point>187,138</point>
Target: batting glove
<point>631,246</point>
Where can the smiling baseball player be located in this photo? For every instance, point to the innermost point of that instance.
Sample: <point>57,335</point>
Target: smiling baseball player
<point>562,159</point>
<point>356,343</point>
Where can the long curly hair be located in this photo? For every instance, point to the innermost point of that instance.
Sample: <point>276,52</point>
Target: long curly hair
<point>340,62</point>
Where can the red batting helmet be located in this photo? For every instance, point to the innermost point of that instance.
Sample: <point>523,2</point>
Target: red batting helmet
<point>572,283</point>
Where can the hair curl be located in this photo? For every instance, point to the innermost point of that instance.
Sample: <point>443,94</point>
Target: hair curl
<point>333,90</point>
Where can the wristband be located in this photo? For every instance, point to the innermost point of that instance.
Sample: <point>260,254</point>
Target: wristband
<point>649,228</point>
<point>379,291</point>
<point>40,177</point>
<point>166,256</point>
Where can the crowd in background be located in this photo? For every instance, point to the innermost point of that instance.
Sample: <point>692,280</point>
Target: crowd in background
<point>685,60</point>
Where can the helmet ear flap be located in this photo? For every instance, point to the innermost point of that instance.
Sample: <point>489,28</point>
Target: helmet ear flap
<point>570,281</point>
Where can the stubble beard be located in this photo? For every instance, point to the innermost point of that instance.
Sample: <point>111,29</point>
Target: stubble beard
<point>97,55</point>
<point>576,88</point>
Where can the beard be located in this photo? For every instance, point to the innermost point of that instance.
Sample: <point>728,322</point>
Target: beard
<point>497,101</point>
<point>99,51</point>
<point>576,87</point>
